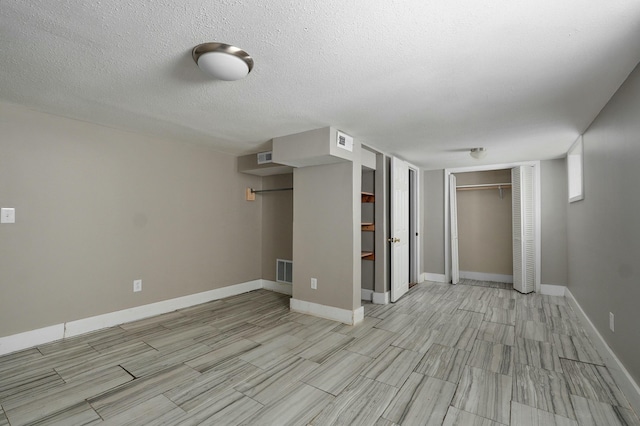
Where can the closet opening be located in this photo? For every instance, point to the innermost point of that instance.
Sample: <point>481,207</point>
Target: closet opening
<point>472,226</point>
<point>485,231</point>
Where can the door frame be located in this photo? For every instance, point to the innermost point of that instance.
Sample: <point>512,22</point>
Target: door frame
<point>415,223</point>
<point>415,202</point>
<point>399,240</point>
<point>453,213</point>
<point>537,212</point>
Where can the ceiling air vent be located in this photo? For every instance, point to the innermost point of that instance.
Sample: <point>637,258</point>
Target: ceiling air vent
<point>265,157</point>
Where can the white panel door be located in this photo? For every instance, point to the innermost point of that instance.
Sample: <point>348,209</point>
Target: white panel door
<point>522,212</point>
<point>453,220</point>
<point>399,228</point>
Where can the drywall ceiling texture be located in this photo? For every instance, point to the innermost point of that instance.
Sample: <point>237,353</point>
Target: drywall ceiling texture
<point>422,80</point>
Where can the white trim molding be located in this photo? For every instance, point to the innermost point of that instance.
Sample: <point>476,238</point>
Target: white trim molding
<point>428,276</point>
<point>381,298</point>
<point>278,287</point>
<point>17,342</point>
<point>552,290</point>
<point>366,294</point>
<point>52,333</point>
<point>620,374</point>
<point>482,276</point>
<point>40,336</point>
<point>329,312</point>
<point>86,325</point>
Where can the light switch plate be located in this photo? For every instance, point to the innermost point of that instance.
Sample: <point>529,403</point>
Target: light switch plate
<point>7,215</point>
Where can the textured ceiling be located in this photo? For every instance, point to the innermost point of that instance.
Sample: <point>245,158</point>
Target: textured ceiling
<point>425,80</point>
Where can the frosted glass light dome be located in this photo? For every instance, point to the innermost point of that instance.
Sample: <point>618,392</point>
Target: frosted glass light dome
<point>478,153</point>
<point>222,61</point>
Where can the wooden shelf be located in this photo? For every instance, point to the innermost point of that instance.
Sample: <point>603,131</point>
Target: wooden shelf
<point>367,255</point>
<point>368,226</point>
<point>368,197</point>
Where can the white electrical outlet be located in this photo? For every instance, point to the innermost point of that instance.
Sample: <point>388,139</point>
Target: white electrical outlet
<point>314,283</point>
<point>137,285</point>
<point>611,321</point>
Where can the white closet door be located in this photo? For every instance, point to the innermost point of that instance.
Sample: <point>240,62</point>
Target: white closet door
<point>399,228</point>
<point>453,211</point>
<point>523,229</point>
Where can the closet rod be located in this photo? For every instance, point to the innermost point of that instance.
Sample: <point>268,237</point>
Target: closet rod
<point>485,186</point>
<point>254,191</point>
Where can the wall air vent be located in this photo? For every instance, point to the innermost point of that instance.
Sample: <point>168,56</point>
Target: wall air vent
<point>344,141</point>
<point>265,157</point>
<point>284,271</point>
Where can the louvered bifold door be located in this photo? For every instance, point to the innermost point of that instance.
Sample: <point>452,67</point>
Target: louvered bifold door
<point>453,220</point>
<point>523,229</point>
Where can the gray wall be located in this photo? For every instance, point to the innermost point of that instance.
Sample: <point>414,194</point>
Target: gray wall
<point>603,230</point>
<point>97,208</point>
<point>553,206</point>
<point>433,212</point>
<point>383,261</point>
<point>485,238</point>
<point>277,223</point>
<point>326,234</point>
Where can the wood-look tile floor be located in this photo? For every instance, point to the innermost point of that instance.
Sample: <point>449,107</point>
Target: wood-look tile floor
<point>475,354</point>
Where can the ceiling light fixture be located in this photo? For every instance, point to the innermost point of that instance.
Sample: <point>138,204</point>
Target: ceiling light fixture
<point>478,153</point>
<point>223,61</point>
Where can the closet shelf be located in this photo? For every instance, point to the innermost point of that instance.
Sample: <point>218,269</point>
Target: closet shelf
<point>368,197</point>
<point>368,226</point>
<point>367,255</point>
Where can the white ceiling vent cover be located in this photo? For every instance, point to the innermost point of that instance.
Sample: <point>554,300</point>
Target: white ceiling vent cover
<point>265,157</point>
<point>284,271</point>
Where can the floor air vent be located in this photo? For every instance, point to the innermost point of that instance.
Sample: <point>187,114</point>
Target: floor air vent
<point>284,271</point>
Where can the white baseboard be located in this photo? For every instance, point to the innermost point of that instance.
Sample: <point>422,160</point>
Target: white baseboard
<point>366,294</point>
<point>358,315</point>
<point>482,276</point>
<point>74,328</point>
<point>552,290</point>
<point>620,374</point>
<point>52,333</point>
<point>31,338</point>
<point>284,288</point>
<point>40,336</point>
<point>381,298</point>
<point>329,312</point>
<point>428,276</point>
